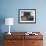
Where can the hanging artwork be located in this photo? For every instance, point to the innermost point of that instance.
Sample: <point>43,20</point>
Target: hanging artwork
<point>27,16</point>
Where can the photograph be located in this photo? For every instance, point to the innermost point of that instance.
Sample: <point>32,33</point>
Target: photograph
<point>27,16</point>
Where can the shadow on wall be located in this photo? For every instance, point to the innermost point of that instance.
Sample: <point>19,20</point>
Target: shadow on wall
<point>1,39</point>
<point>2,21</point>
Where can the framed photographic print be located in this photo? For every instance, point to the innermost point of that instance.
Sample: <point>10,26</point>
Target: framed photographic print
<point>27,16</point>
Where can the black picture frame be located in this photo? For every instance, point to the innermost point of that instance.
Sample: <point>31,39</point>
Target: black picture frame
<point>26,16</point>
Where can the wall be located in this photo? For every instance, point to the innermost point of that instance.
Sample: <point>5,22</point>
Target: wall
<point>9,8</point>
